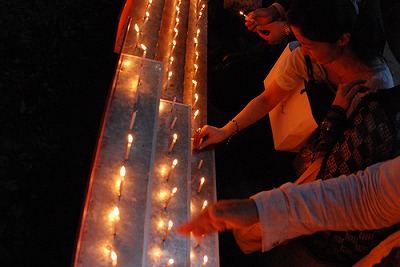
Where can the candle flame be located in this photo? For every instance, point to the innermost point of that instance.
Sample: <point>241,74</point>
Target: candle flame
<point>175,136</point>
<point>176,30</point>
<point>147,14</point>
<point>116,213</point>
<point>174,190</point>
<point>177,8</point>
<point>177,20</point>
<point>194,82</point>
<point>114,256</point>
<point>122,171</point>
<point>198,32</point>
<point>174,42</point>
<point>137,28</point>
<point>204,204</point>
<point>171,261</point>
<point>205,259</point>
<point>196,96</point>
<point>175,162</point>
<point>169,74</point>
<point>195,40</point>
<point>170,224</point>
<point>143,47</point>
<point>196,113</point>
<point>202,180</point>
<point>130,138</point>
<point>172,59</point>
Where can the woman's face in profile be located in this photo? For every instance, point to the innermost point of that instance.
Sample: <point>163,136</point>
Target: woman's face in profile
<point>320,52</point>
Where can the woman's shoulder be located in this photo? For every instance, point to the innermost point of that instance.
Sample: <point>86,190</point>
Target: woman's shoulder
<point>382,77</point>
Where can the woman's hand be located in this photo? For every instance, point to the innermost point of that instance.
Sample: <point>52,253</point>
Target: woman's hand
<point>208,135</point>
<point>273,33</point>
<point>346,93</point>
<point>223,215</point>
<point>260,16</point>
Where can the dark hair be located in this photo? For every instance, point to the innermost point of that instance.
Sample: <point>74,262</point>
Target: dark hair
<point>327,20</point>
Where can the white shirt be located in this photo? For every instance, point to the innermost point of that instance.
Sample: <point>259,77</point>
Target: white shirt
<point>366,200</point>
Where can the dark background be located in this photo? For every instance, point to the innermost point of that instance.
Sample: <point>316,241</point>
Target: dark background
<point>57,65</point>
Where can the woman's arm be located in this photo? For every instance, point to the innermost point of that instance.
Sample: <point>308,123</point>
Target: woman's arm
<point>254,111</point>
<point>366,200</point>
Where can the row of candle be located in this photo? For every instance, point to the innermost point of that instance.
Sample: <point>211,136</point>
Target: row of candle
<point>115,213</point>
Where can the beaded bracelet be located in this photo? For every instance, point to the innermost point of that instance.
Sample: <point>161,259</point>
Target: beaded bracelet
<point>237,130</point>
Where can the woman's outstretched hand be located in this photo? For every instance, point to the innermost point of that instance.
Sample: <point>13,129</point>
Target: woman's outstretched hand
<point>223,215</point>
<point>346,93</point>
<point>208,135</point>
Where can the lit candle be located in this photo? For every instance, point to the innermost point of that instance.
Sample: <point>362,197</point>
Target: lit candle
<point>144,50</point>
<point>202,7</point>
<point>114,258</point>
<point>173,103</point>
<point>202,180</point>
<point>195,42</point>
<point>177,10</point>
<point>169,76</point>
<point>122,173</point>
<point>176,32</point>
<point>241,13</point>
<point>197,55</point>
<point>170,262</point>
<point>171,59</point>
<point>128,147</point>
<point>170,197</point>
<point>172,168</point>
<point>115,218</point>
<point>149,3</point>
<point>146,17</point>
<point>205,260</point>
<point>196,98</point>
<point>173,122</point>
<point>196,113</point>
<point>200,164</point>
<point>200,14</point>
<point>194,84</point>
<point>173,45</point>
<point>133,119</point>
<point>137,34</point>
<point>198,32</point>
<point>170,224</point>
<point>177,22</point>
<point>204,205</point>
<point>195,68</point>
